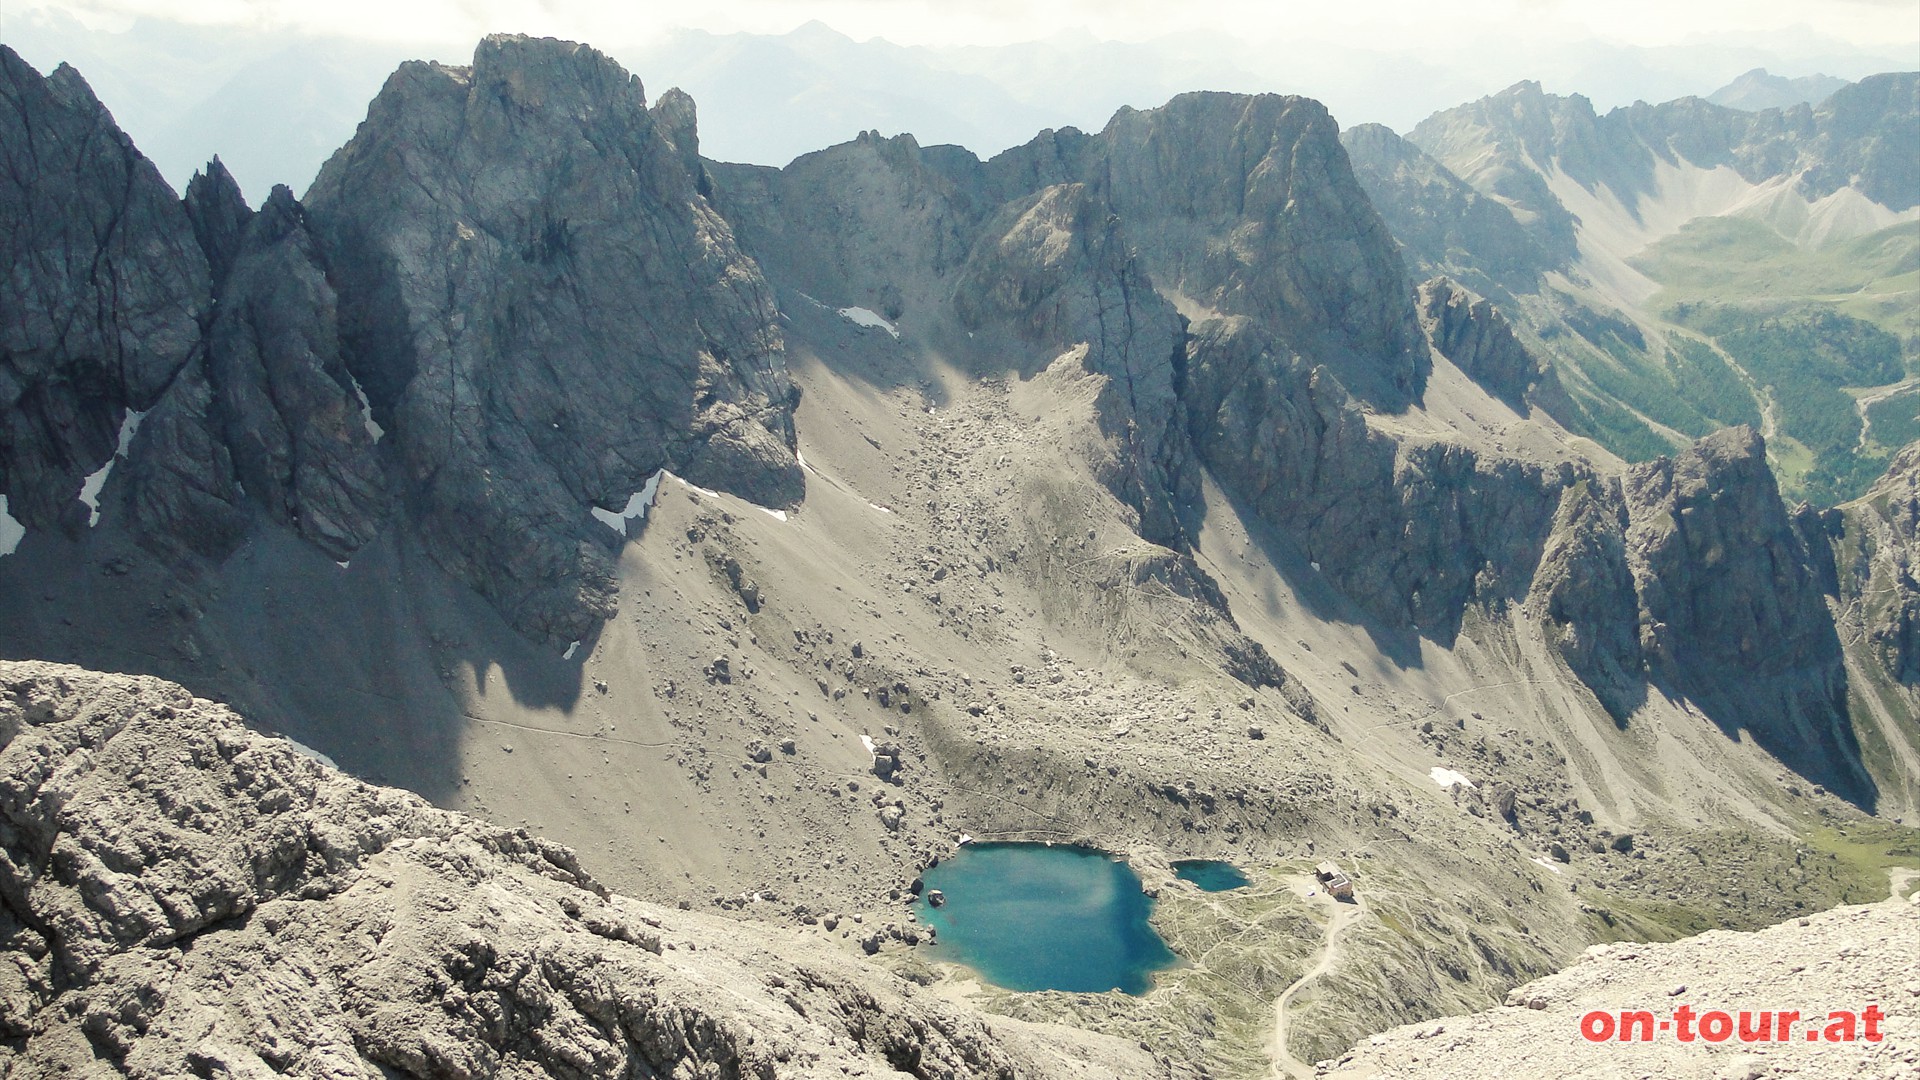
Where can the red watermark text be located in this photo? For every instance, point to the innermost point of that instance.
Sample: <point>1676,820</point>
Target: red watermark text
<point>1686,1025</point>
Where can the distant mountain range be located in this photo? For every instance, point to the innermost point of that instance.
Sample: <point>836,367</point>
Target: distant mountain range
<point>1757,90</point>
<point>272,104</point>
<point>1688,265</point>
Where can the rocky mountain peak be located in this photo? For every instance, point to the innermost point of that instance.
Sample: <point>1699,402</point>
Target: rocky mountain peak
<point>1310,258</point>
<point>1865,136</point>
<point>107,289</point>
<point>506,236</point>
<point>219,213</point>
<point>1443,225</point>
<point>1731,606</point>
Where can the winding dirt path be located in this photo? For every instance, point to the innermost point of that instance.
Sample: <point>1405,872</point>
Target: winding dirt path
<point>1285,1065</point>
<point>1897,878</point>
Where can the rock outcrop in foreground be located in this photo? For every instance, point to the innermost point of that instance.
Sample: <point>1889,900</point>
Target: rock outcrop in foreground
<point>180,896</point>
<point>1845,959</point>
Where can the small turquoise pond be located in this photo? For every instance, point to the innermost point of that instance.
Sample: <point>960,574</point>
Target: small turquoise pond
<point>1033,917</point>
<point>1211,875</point>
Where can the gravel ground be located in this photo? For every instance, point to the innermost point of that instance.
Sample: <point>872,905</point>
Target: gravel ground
<point>1849,958</point>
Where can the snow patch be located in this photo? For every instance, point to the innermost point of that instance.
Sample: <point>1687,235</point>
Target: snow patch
<point>880,508</point>
<point>571,649</point>
<point>366,411</point>
<point>341,563</point>
<point>90,490</point>
<point>1448,778</point>
<point>697,488</point>
<point>636,509</point>
<point>869,318</point>
<point>11,531</point>
<point>1547,864</point>
<point>778,515</point>
<point>867,741</point>
<point>307,751</point>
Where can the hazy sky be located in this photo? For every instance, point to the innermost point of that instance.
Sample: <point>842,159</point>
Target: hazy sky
<point>1381,23</point>
<point>274,86</point>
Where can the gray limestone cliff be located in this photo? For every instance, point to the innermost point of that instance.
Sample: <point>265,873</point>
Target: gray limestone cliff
<point>1583,596</point>
<point>1442,224</point>
<point>105,290</point>
<point>1058,269</point>
<point>1247,205</point>
<point>545,311</point>
<point>1412,530</point>
<point>1308,256</point>
<point>292,417</point>
<point>1732,611</point>
<point>219,213</point>
<point>1881,565</point>
<point>1471,332</point>
<point>1724,577</point>
<point>1213,205</point>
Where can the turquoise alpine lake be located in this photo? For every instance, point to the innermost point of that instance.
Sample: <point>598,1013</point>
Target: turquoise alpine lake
<point>1211,875</point>
<point>1034,917</point>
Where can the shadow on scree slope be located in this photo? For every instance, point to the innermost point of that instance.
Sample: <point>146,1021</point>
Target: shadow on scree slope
<point>360,663</point>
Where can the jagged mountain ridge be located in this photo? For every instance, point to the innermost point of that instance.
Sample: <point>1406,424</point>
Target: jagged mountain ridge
<point>1613,206</point>
<point>1130,424</point>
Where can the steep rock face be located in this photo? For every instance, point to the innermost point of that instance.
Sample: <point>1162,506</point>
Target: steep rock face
<point>1058,269</point>
<point>1723,575</point>
<point>1867,135</point>
<point>219,214</point>
<point>105,288</point>
<point>1731,609</point>
<point>290,413</point>
<point>181,492</point>
<point>1246,205</point>
<point>1884,528</point>
<point>180,896</point>
<point>1215,204</point>
<point>1583,594</point>
<point>1491,143</point>
<point>1469,331</point>
<point>1413,531</point>
<point>544,311</point>
<point>678,121</point>
<point>1443,225</point>
<point>879,223</point>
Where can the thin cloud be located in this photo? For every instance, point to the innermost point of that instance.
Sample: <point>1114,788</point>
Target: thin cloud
<point>1375,23</point>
